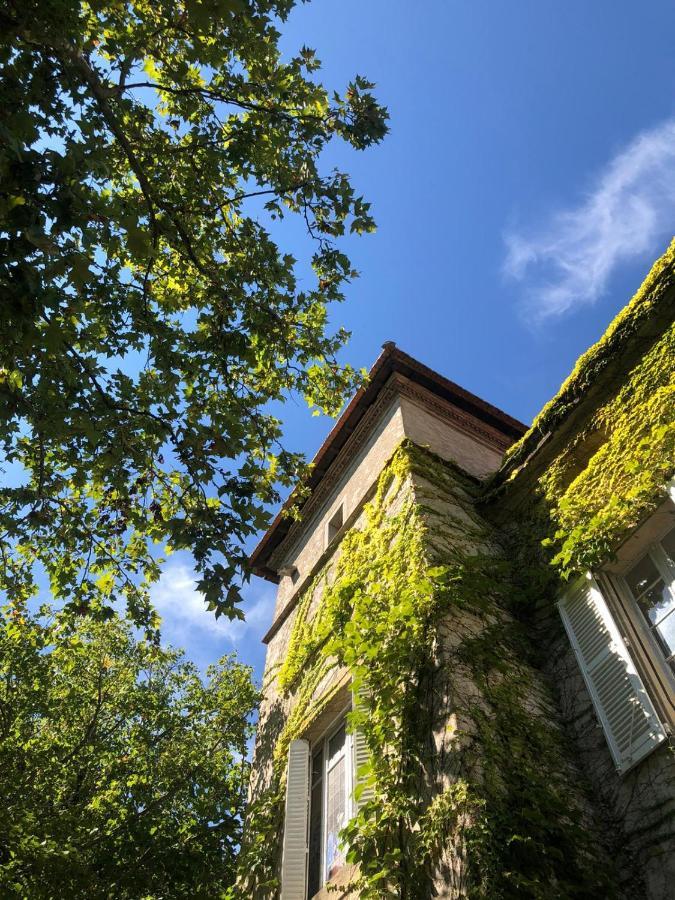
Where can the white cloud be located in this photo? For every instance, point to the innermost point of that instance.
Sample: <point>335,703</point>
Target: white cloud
<point>628,213</point>
<point>186,617</point>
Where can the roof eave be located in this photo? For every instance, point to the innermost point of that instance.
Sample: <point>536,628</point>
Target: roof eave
<point>389,361</point>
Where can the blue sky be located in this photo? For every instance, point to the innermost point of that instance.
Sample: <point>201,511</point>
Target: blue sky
<point>526,186</point>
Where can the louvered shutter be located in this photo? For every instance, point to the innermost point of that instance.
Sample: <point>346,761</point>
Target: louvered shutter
<point>294,859</point>
<point>363,789</point>
<point>622,705</point>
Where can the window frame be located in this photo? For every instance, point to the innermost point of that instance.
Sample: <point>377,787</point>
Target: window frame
<point>656,672</point>
<point>613,681</point>
<point>666,570</point>
<point>322,742</point>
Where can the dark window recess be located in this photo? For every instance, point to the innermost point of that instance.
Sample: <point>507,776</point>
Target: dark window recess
<point>291,572</point>
<point>335,523</point>
<point>315,825</point>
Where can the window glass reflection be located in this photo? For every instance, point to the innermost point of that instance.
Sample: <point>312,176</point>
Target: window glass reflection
<point>652,583</point>
<point>665,632</point>
<point>657,602</point>
<point>668,544</point>
<point>642,576</point>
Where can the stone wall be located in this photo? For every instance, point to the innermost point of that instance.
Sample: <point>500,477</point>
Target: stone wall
<point>497,728</point>
<point>360,469</point>
<point>419,417</point>
<point>637,809</point>
<point>277,706</point>
<point>496,802</point>
<point>291,712</point>
<point>360,464</point>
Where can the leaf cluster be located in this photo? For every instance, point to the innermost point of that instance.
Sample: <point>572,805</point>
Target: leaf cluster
<point>123,771</point>
<point>149,318</point>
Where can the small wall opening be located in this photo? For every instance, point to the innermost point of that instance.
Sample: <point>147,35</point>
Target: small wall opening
<point>289,572</point>
<point>335,523</point>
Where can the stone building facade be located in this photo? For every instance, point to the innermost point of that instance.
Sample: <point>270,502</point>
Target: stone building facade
<point>469,687</point>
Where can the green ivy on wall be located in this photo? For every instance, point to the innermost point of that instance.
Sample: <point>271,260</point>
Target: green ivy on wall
<point>612,472</point>
<point>624,479</point>
<point>472,780</point>
<point>496,812</point>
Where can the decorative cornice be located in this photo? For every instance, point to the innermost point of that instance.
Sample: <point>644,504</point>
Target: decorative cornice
<point>439,395</point>
<point>344,459</point>
<point>444,410</point>
<point>396,386</point>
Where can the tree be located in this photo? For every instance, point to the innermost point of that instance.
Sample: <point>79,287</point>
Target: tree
<point>149,320</point>
<point>122,772</point>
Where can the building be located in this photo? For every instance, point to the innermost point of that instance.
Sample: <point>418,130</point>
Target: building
<point>470,682</point>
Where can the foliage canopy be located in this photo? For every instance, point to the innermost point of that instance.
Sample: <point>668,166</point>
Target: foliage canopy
<point>122,771</point>
<point>149,319</point>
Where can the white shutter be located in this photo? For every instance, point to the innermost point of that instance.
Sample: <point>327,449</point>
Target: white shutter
<point>294,859</point>
<point>623,707</point>
<point>365,788</point>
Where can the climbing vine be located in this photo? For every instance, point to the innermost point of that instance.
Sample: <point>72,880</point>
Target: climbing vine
<point>470,777</point>
<point>472,783</point>
<point>624,479</point>
<point>612,472</point>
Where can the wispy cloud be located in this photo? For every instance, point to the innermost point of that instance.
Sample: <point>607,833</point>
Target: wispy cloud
<point>627,214</point>
<point>186,619</point>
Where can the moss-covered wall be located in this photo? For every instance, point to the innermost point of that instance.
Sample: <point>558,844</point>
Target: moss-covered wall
<point>596,461</point>
<point>525,828</point>
<point>593,506</point>
<point>593,467</point>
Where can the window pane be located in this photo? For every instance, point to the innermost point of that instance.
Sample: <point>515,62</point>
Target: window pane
<point>335,813</point>
<point>315,825</point>
<point>657,602</point>
<point>642,576</point>
<point>336,745</point>
<point>317,766</point>
<point>668,544</point>
<point>665,632</point>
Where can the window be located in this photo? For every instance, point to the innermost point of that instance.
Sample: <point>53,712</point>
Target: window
<point>327,782</point>
<point>621,624</point>
<point>330,805</point>
<point>624,709</point>
<point>335,523</point>
<point>320,798</point>
<point>651,582</point>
